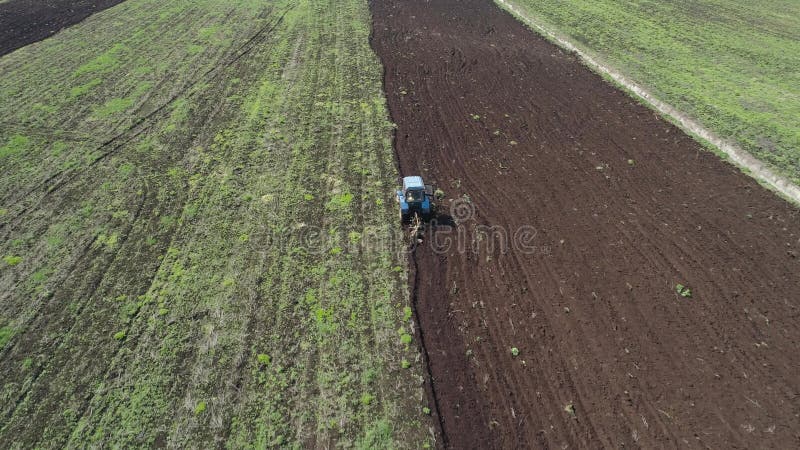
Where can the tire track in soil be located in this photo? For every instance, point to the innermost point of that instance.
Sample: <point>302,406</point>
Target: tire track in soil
<point>72,182</point>
<point>484,107</point>
<point>59,180</point>
<point>413,280</point>
<point>430,391</point>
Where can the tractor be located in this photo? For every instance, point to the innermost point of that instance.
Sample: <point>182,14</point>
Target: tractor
<point>416,199</point>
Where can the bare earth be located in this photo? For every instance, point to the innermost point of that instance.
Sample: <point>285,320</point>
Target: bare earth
<point>625,207</point>
<point>24,22</point>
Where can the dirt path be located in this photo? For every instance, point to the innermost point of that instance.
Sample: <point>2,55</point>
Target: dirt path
<point>24,22</point>
<point>624,207</point>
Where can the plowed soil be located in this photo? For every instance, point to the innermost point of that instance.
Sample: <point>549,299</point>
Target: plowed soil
<point>625,206</point>
<point>24,22</point>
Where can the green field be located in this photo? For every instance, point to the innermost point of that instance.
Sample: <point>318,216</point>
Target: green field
<point>192,194</point>
<point>734,65</point>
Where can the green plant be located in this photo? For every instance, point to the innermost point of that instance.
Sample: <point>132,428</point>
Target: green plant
<point>120,335</point>
<point>78,91</point>
<point>69,415</point>
<point>166,220</point>
<point>340,201</point>
<point>407,313</point>
<point>12,260</point>
<point>16,144</point>
<point>6,333</point>
<point>405,364</point>
<point>683,291</point>
<point>114,106</point>
<point>200,408</point>
<point>366,399</point>
<point>514,351</point>
<point>426,411</point>
<point>263,359</point>
<point>378,436</point>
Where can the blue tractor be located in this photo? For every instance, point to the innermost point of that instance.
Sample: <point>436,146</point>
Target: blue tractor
<point>415,199</point>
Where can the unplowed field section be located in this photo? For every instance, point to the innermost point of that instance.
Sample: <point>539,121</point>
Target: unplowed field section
<point>24,22</point>
<point>625,206</point>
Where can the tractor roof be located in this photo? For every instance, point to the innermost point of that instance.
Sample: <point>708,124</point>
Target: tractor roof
<point>413,183</point>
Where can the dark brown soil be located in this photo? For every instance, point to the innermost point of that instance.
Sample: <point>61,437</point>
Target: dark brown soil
<point>625,206</point>
<point>24,22</point>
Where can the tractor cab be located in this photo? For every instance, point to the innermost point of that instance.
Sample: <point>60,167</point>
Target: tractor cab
<point>414,198</point>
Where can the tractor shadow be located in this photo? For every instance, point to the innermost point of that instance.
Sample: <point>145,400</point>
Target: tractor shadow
<point>442,220</point>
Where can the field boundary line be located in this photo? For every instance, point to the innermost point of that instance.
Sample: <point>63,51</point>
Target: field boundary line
<point>741,158</point>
